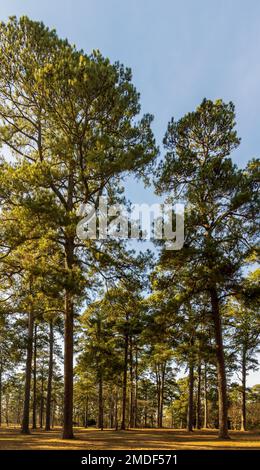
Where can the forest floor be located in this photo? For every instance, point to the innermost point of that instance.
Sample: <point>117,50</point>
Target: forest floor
<point>138,439</point>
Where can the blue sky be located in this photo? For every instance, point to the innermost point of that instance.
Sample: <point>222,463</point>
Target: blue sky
<point>179,51</point>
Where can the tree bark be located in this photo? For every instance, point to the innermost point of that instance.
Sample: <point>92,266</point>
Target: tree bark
<point>111,408</point>
<point>205,425</point>
<point>28,373</point>
<point>34,424</point>
<point>123,426</point>
<point>190,398</point>
<point>68,348</point>
<point>42,398</point>
<point>136,388</point>
<point>145,408</point>
<point>158,387</point>
<point>116,409</point>
<point>50,375</point>
<point>198,410</point>
<point>7,409</point>
<point>100,381</point>
<point>243,410</point>
<point>100,402</point>
<point>163,369</point>
<point>221,371</point>
<point>1,371</point>
<point>132,403</point>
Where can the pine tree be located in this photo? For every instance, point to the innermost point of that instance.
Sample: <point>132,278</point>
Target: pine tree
<point>68,119</point>
<point>219,196</point>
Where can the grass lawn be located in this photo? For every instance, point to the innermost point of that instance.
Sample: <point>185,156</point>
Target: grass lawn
<point>92,439</point>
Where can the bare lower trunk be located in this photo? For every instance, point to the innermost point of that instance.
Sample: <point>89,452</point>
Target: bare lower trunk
<point>28,373</point>
<point>205,425</point>
<point>50,374</point>
<point>198,409</point>
<point>68,335</point>
<point>243,410</point>
<point>162,395</point>
<point>7,410</point>
<point>100,402</point>
<point>1,392</point>
<point>34,378</point>
<point>116,409</point>
<point>111,408</point>
<point>100,380</point>
<point>42,399</point>
<point>136,389</point>
<point>132,402</point>
<point>68,369</point>
<point>190,398</point>
<point>221,372</point>
<point>145,409</point>
<point>123,426</point>
<point>158,387</point>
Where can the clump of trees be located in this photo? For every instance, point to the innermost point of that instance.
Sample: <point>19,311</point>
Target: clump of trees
<point>133,323</point>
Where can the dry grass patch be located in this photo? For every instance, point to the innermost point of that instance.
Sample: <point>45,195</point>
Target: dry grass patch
<point>139,439</point>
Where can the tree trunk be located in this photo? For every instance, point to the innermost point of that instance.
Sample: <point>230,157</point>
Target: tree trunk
<point>34,424</point>
<point>243,410</point>
<point>111,408</point>
<point>145,409</point>
<point>7,410</point>
<point>136,388</point>
<point>100,402</point>
<point>1,393</point>
<point>100,381</point>
<point>42,397</point>
<point>132,403</point>
<point>116,409</point>
<point>162,395</point>
<point>221,372</point>
<point>190,398</point>
<point>205,425</point>
<point>124,383</point>
<point>50,374</point>
<point>158,387</point>
<point>28,373</point>
<point>68,351</point>
<point>198,410</point>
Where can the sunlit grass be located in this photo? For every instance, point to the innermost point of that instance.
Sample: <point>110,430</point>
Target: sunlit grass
<point>142,439</point>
